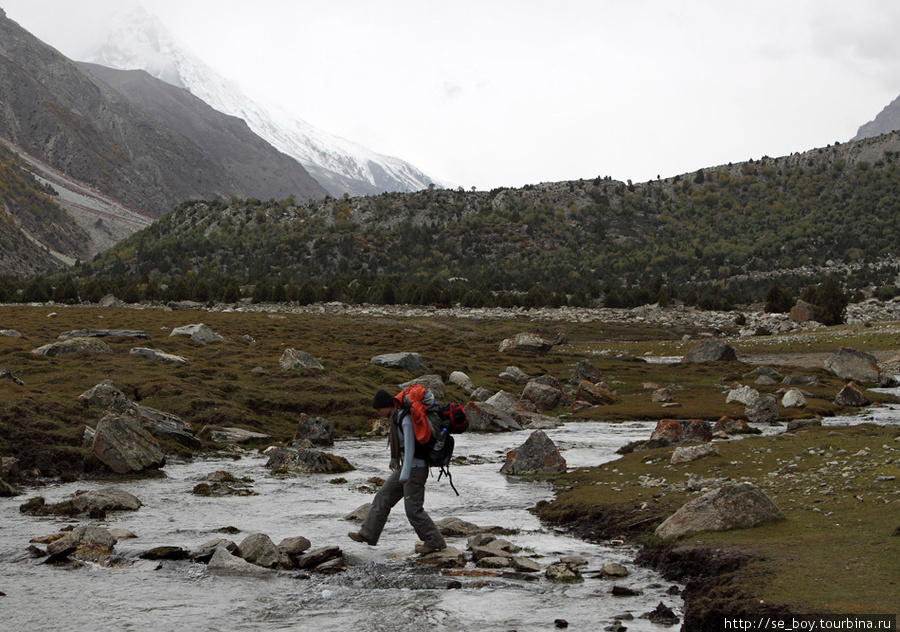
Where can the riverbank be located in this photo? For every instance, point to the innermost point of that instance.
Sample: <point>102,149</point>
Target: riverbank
<point>836,552</point>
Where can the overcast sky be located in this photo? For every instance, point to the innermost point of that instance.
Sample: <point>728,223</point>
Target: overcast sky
<point>491,93</point>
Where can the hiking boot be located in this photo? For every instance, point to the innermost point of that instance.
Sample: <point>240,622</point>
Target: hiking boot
<point>359,537</point>
<point>425,549</point>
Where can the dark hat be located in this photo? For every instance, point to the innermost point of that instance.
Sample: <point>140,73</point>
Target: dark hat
<point>382,399</point>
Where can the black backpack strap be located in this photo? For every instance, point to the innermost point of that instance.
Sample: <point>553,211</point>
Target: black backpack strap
<point>446,470</point>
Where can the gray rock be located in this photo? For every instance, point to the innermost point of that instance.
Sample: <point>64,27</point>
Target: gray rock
<point>543,396</point>
<point>359,514</point>
<point>102,333</point>
<point>686,454</point>
<point>742,395</point>
<point>224,563</point>
<point>711,350</point>
<point>585,371</point>
<point>124,446</point>
<point>793,398</point>
<point>732,506</point>
<point>86,543</point>
<point>316,557</point>
<point>858,366</point>
<point>294,546</point>
<point>233,435</point>
<point>7,490</point>
<point>462,380</point>
<point>316,430</point>
<point>205,551</point>
<point>451,527</point>
<point>763,409</point>
<point>156,354</point>
<point>198,333</point>
<point>596,394</point>
<point>9,377</point>
<point>108,499</point>
<point>538,455</point>
<point>486,417</point>
<point>613,569</point>
<point>307,461</point>
<point>526,565</point>
<point>259,549</point>
<point>294,360</point>
<point>431,381</point>
<point>662,395</point>
<point>73,345</point>
<point>514,374</point>
<point>10,333</point>
<point>527,342</point>
<point>451,557</point>
<point>407,361</point>
<point>851,395</point>
<point>564,573</point>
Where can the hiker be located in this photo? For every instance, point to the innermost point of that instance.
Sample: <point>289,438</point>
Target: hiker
<point>408,473</point>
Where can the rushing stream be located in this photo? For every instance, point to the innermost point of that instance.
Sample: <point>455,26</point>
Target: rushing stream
<point>380,590</point>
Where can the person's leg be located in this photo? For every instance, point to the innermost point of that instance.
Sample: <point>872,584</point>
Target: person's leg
<point>388,496</point>
<point>414,502</point>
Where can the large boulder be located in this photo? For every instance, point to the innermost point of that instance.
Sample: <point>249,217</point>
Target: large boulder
<point>732,506</point>
<point>711,350</point>
<point>538,455</point>
<point>316,430</point>
<point>86,543</point>
<point>793,398</point>
<point>123,445</point>
<point>585,371</point>
<point>462,380</point>
<point>431,381</point>
<point>158,423</point>
<point>851,395</point>
<point>231,434</point>
<point>223,562</point>
<point>407,361</point>
<point>742,394</point>
<point>73,345</point>
<point>486,417</point>
<point>672,432</point>
<point>295,360</point>
<point>688,453</point>
<point>763,409</point>
<point>103,500</point>
<point>307,461</point>
<point>259,549</point>
<point>804,312</point>
<point>544,396</point>
<point>726,426</point>
<point>859,366</point>
<point>595,394</point>
<point>527,342</point>
<point>198,333</point>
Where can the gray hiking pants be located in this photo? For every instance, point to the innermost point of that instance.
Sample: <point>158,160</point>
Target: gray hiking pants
<point>413,495</point>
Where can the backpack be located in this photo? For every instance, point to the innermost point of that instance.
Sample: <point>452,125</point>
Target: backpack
<point>444,421</point>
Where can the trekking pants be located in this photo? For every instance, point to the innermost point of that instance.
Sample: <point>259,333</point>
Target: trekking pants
<point>413,495</point>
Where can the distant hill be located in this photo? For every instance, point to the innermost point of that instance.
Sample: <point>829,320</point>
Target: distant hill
<point>64,116</point>
<point>718,235</point>
<point>887,121</point>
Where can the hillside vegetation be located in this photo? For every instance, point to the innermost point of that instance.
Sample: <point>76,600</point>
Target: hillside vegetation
<point>716,237</point>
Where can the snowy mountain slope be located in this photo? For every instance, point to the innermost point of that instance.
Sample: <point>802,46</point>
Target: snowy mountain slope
<point>141,41</point>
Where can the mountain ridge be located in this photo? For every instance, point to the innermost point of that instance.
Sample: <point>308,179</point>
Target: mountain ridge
<point>141,41</point>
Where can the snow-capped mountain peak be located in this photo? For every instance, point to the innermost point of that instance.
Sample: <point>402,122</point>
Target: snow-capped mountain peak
<point>139,40</point>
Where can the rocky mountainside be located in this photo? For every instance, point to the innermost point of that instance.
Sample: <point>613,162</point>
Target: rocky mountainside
<point>888,120</point>
<point>141,41</point>
<point>77,124</point>
<point>258,168</point>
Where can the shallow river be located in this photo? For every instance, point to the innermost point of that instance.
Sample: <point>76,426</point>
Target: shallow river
<point>378,592</point>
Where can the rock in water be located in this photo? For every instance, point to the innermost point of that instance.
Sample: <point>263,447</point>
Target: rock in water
<point>124,446</point>
<point>538,455</point>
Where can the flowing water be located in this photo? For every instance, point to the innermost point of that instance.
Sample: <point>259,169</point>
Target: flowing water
<point>380,590</point>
